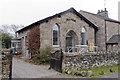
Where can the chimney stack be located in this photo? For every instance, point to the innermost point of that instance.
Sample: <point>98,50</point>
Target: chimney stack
<point>103,13</point>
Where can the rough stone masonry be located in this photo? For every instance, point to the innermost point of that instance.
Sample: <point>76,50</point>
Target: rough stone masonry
<point>0,65</point>
<point>88,60</point>
<point>6,64</point>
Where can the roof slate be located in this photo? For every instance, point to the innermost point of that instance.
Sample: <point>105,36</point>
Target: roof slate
<point>101,17</point>
<point>115,39</point>
<point>72,10</point>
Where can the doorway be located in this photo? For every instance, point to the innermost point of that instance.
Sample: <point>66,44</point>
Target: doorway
<point>71,41</point>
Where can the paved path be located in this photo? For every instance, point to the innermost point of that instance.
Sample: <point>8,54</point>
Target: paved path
<point>114,75</point>
<point>22,69</point>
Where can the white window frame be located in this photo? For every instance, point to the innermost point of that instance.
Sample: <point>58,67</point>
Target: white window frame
<point>58,42</point>
<point>83,30</point>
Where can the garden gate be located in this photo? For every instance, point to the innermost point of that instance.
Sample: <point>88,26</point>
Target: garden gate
<point>56,60</point>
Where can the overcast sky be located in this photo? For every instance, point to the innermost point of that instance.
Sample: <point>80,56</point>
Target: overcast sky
<point>26,12</point>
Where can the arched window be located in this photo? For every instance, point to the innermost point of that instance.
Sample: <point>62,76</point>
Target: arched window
<point>55,35</point>
<point>83,35</point>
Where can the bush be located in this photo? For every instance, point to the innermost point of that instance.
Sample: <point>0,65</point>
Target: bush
<point>33,40</point>
<point>43,57</point>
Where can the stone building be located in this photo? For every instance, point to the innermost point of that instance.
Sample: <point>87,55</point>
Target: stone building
<point>113,43</point>
<point>107,28</point>
<point>69,29</point>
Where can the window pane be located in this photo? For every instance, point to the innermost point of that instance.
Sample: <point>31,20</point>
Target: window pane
<point>55,35</point>
<point>83,39</point>
<point>55,40</point>
<point>83,35</point>
<point>83,30</point>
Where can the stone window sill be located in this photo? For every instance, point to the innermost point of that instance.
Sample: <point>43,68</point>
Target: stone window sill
<point>56,45</point>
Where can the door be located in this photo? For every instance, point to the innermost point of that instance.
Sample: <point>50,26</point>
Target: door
<point>69,42</point>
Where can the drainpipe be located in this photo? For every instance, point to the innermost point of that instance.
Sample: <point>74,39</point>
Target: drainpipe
<point>95,37</point>
<point>105,35</point>
<point>118,28</point>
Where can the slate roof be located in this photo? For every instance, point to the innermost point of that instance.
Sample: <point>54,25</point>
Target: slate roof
<point>115,39</point>
<point>101,17</point>
<point>72,10</point>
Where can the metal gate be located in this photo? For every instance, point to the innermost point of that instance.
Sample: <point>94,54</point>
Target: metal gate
<point>56,60</point>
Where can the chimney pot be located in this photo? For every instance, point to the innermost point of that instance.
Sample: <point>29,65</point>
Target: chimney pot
<point>105,9</point>
<point>103,13</point>
<point>98,11</point>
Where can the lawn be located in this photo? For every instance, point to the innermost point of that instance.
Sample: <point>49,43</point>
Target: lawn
<point>105,69</point>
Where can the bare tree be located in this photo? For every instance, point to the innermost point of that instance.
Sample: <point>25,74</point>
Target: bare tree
<point>11,29</point>
<point>5,28</point>
<point>14,28</point>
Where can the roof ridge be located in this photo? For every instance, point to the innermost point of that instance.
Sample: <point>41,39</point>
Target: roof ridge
<point>56,15</point>
<point>87,12</point>
<point>99,16</point>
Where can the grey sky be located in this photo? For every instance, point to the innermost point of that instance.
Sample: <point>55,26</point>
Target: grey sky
<point>26,12</point>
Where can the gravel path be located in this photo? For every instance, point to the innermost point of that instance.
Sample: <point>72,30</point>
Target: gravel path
<point>22,69</point>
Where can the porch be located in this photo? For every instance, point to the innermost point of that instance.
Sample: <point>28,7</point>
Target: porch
<point>16,43</point>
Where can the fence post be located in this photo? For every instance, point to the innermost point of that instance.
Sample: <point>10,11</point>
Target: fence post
<point>61,59</point>
<point>11,56</point>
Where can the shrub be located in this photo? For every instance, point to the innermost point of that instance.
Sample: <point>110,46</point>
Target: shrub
<point>33,40</point>
<point>43,57</point>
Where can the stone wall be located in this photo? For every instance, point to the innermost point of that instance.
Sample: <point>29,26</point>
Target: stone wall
<point>88,60</point>
<point>112,47</point>
<point>6,65</point>
<point>111,29</point>
<point>0,65</point>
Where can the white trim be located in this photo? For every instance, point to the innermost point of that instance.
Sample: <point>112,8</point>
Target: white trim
<point>58,42</point>
<point>83,30</point>
<point>56,45</point>
<point>109,37</point>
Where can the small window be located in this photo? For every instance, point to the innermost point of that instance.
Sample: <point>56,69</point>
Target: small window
<point>55,35</point>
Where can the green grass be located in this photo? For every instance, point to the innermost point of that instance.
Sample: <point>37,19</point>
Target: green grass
<point>97,70</point>
<point>105,69</point>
